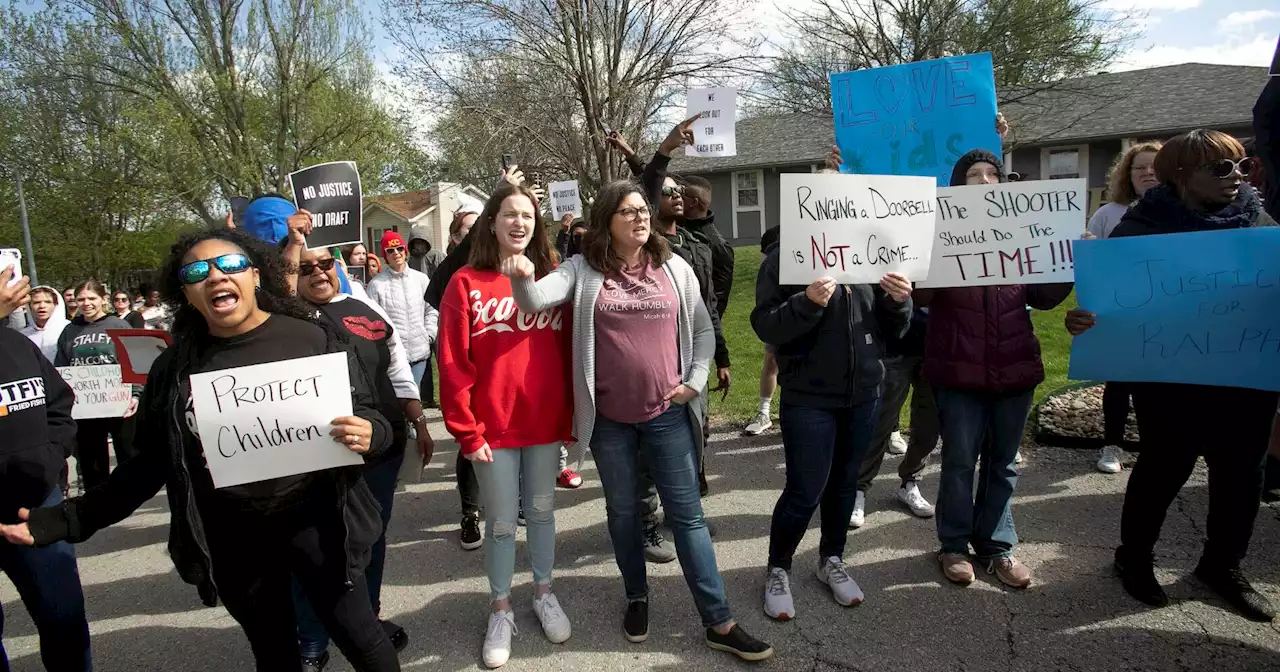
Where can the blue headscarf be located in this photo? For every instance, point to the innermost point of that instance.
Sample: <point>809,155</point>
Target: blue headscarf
<point>265,217</point>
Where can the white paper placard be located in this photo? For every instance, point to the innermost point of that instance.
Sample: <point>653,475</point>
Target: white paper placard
<point>565,199</point>
<point>1019,233</point>
<point>100,393</point>
<point>271,420</point>
<point>715,133</point>
<point>854,228</point>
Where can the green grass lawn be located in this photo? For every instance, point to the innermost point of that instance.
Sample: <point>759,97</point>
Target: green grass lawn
<point>746,353</point>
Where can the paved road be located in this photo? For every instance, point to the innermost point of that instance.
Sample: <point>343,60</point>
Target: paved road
<point>1075,616</point>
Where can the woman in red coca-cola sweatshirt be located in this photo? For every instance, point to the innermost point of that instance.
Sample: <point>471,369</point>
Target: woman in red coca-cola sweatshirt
<point>506,394</point>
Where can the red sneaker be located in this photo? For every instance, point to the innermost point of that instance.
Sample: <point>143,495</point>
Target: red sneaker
<point>569,479</point>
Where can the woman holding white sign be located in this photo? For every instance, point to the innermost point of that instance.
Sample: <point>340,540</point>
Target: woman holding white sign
<point>245,543</point>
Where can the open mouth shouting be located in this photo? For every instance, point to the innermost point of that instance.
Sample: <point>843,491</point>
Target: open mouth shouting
<point>224,300</point>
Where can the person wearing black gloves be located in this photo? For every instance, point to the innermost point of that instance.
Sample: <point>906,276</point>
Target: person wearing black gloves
<point>35,419</point>
<point>244,543</point>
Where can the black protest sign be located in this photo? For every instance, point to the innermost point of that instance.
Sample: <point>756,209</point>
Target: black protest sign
<point>331,193</point>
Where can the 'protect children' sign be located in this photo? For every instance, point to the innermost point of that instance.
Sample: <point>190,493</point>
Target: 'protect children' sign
<point>331,193</point>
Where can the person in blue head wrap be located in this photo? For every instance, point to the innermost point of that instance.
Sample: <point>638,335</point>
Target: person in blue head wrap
<point>267,219</point>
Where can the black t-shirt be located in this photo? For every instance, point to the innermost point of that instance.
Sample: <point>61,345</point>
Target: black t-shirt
<point>279,338</point>
<point>370,334</point>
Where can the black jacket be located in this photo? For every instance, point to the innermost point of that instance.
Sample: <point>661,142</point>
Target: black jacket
<point>722,258</point>
<point>1266,133</point>
<point>35,421</point>
<point>161,461</point>
<point>1161,211</point>
<point>457,258</point>
<point>827,357</point>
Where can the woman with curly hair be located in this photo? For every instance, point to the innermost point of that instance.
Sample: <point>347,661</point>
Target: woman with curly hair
<point>244,543</point>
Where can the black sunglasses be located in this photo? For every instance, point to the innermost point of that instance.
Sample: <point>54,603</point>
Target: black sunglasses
<point>305,268</point>
<point>229,264</point>
<point>1223,168</point>
<point>118,299</point>
<point>671,192</point>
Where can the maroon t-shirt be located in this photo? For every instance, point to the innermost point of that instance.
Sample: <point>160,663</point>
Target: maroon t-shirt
<point>637,356</point>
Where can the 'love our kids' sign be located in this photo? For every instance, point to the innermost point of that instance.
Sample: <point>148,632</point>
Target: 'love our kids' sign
<point>916,118</point>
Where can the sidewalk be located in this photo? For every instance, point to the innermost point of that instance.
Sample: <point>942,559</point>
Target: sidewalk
<point>1074,617</point>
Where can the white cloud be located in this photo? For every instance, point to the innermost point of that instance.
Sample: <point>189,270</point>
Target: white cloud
<point>1248,50</point>
<point>1150,5</point>
<point>1242,20</point>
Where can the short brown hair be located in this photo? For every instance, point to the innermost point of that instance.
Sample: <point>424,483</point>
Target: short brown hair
<point>597,243</point>
<point>456,225</point>
<point>1119,181</point>
<point>1186,152</point>
<point>46,290</point>
<point>93,286</point>
<point>485,252</point>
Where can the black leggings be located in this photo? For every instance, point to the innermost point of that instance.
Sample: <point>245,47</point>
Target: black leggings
<point>1115,411</point>
<point>92,460</point>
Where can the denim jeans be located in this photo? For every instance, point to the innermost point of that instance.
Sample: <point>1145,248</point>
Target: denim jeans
<point>515,476</point>
<point>49,582</point>
<point>824,448</point>
<point>666,446</point>
<point>901,375</point>
<point>982,428</point>
<point>312,637</point>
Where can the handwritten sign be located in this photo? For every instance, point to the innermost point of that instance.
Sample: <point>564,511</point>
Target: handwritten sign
<point>565,199</point>
<point>715,132</point>
<point>271,420</point>
<point>1019,233</point>
<point>1200,308</point>
<point>854,228</point>
<point>916,118</point>
<point>331,193</point>
<point>100,393</point>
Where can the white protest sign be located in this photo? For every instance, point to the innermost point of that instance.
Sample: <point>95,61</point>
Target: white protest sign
<point>99,390</point>
<point>854,228</point>
<point>714,133</point>
<point>271,420</point>
<point>565,199</point>
<point>1019,233</point>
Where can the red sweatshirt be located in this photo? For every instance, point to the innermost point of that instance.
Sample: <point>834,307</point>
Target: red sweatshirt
<point>505,376</point>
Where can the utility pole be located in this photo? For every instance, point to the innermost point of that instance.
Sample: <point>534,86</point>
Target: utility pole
<point>26,230</point>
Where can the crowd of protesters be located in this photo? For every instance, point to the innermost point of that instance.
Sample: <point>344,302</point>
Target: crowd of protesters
<point>604,338</point>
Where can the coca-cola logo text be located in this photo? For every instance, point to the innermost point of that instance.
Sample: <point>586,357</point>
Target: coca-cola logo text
<point>496,315</point>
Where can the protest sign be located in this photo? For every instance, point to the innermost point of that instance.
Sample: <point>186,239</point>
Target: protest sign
<point>854,228</point>
<point>715,132</point>
<point>99,390</point>
<point>1200,308</point>
<point>1017,233</point>
<point>565,199</point>
<point>271,420</point>
<point>916,118</point>
<point>331,193</point>
<point>137,350</point>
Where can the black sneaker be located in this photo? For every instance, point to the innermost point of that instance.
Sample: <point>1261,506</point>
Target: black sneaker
<point>399,638</point>
<point>739,643</point>
<point>315,664</point>
<point>1138,576</point>
<point>1233,587</point>
<point>635,624</point>
<point>471,539</point>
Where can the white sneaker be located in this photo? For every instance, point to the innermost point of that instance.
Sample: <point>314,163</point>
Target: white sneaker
<point>909,494</point>
<point>1109,460</point>
<point>555,624</point>
<point>497,639</point>
<point>1017,458</point>
<point>833,573</point>
<point>859,511</point>
<point>778,604</point>
<point>897,444</point>
<point>758,424</point>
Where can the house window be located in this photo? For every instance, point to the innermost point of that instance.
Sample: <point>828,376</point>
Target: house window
<point>748,196</point>
<point>375,238</point>
<point>1061,163</point>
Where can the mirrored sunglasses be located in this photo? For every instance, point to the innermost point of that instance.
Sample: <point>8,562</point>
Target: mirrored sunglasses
<point>198,271</point>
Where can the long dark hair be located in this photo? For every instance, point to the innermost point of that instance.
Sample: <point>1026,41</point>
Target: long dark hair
<point>486,255</point>
<point>597,242</point>
<point>273,297</point>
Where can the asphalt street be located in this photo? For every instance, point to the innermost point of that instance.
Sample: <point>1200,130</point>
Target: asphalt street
<point>1074,617</point>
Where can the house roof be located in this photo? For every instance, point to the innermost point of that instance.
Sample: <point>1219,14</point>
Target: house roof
<point>407,205</point>
<point>1155,102</point>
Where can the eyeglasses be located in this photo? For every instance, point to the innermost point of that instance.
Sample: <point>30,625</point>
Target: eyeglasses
<point>673,192</point>
<point>198,271</point>
<point>398,249</point>
<point>632,214</point>
<point>121,299</point>
<point>1223,168</point>
<point>307,267</point>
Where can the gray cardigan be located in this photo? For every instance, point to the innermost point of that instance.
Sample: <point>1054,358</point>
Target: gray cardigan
<point>575,280</point>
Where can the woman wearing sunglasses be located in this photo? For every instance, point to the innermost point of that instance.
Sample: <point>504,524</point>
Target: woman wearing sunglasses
<point>85,342</point>
<point>1201,188</point>
<point>123,307</point>
<point>243,543</point>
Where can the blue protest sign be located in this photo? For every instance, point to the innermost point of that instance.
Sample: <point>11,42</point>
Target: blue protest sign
<point>917,118</point>
<point>1200,308</point>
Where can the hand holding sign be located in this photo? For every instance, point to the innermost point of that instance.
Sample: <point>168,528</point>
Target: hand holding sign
<point>821,290</point>
<point>299,224</point>
<point>1079,320</point>
<point>353,432</point>
<point>897,286</point>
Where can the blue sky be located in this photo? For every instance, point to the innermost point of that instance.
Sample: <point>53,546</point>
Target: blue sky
<point>1234,32</point>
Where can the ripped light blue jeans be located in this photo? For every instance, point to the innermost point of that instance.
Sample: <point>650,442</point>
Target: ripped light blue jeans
<point>516,473</point>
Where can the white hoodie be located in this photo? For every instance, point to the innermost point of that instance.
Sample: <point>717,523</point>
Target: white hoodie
<point>46,338</point>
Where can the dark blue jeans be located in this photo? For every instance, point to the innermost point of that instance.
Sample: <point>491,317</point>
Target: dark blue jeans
<point>824,448</point>
<point>49,582</point>
<point>312,637</point>
<point>665,443</point>
<point>983,429</point>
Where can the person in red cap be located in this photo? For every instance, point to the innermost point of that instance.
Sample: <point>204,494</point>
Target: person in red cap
<point>399,290</point>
